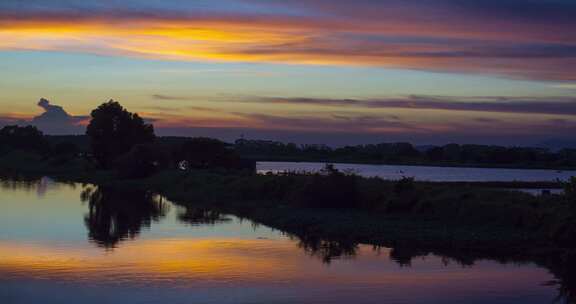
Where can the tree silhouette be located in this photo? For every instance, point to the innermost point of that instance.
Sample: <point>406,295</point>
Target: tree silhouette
<point>142,161</point>
<point>113,131</point>
<point>27,138</point>
<point>202,153</point>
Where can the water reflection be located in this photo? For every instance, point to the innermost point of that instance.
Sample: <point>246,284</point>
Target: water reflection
<point>201,216</point>
<point>114,216</point>
<point>40,185</point>
<point>563,266</point>
<point>326,250</point>
<point>224,260</point>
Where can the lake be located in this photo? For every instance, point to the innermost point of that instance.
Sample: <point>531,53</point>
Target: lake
<point>74,243</point>
<point>424,173</point>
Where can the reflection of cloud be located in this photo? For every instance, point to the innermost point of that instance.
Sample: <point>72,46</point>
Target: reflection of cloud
<point>150,260</point>
<point>520,39</point>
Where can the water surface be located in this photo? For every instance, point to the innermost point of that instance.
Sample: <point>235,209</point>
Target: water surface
<point>73,243</point>
<point>425,173</point>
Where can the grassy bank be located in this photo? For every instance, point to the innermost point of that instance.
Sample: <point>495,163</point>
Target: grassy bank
<point>336,206</point>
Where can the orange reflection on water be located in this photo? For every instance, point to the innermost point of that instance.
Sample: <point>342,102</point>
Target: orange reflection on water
<point>262,261</point>
<point>220,259</point>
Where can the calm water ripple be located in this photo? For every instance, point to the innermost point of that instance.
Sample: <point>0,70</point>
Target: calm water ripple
<point>73,243</point>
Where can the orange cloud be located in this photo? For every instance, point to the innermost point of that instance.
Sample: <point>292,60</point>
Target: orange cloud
<point>453,45</point>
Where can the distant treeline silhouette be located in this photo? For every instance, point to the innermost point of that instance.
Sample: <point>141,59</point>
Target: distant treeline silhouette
<point>406,153</point>
<point>120,139</point>
<point>383,153</point>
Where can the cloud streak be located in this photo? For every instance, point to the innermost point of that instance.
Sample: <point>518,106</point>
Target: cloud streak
<point>338,126</point>
<point>518,39</point>
<point>565,106</point>
<point>518,105</point>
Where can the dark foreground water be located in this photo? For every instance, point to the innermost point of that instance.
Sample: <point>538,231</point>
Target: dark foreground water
<point>72,243</point>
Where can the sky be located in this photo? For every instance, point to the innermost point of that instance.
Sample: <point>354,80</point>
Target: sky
<point>315,71</point>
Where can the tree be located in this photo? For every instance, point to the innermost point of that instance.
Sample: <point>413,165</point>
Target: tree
<point>203,153</point>
<point>142,161</point>
<point>27,138</point>
<point>65,149</point>
<point>113,131</point>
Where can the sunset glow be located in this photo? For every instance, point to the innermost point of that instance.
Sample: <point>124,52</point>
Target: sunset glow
<point>215,68</point>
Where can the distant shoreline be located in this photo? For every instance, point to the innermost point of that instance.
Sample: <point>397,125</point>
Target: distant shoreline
<point>82,141</point>
<point>418,164</point>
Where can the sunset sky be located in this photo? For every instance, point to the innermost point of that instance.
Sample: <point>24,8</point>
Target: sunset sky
<point>314,71</point>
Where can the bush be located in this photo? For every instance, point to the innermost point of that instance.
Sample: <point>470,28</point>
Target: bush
<point>65,149</point>
<point>330,189</point>
<point>142,161</point>
<point>209,153</point>
<point>27,138</point>
<point>404,185</point>
<point>570,188</point>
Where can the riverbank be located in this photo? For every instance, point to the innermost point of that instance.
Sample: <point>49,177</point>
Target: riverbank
<point>355,209</point>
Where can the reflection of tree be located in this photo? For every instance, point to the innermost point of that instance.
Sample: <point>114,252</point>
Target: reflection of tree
<point>327,250</point>
<point>40,185</point>
<point>19,182</point>
<point>564,269</point>
<point>201,216</point>
<point>562,266</point>
<point>114,216</point>
<point>404,255</point>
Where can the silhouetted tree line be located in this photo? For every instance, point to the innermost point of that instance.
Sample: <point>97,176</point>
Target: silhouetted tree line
<point>407,153</point>
<point>27,138</point>
<point>120,140</point>
<point>123,141</point>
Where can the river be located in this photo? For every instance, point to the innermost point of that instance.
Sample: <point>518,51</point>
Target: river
<point>74,243</point>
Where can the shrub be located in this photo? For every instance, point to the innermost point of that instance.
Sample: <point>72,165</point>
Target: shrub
<point>570,188</point>
<point>207,153</point>
<point>404,185</point>
<point>142,161</point>
<point>27,138</point>
<point>330,189</point>
<point>65,149</point>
